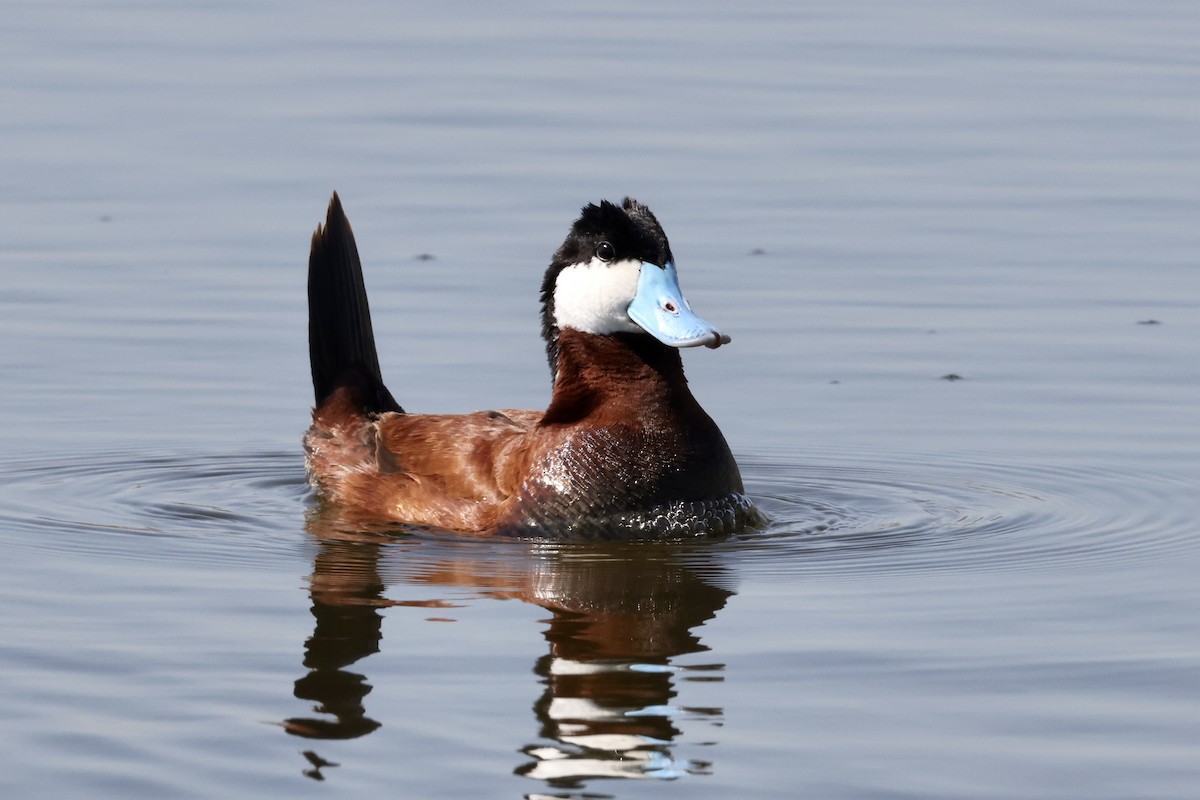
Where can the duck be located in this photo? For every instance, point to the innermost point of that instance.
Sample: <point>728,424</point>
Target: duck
<point>622,451</point>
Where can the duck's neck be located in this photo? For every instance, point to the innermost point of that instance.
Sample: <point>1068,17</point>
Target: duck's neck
<point>615,374</point>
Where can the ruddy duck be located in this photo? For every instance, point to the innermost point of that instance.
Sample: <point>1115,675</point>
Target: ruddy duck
<point>622,451</point>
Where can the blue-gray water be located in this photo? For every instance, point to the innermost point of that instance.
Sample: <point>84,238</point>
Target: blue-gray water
<point>975,588</point>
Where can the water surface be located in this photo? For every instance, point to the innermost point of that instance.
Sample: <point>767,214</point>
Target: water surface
<point>976,587</point>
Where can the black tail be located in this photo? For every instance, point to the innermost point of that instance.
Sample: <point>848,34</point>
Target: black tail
<point>341,344</point>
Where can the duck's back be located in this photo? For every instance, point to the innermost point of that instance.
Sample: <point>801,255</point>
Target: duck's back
<point>503,473</point>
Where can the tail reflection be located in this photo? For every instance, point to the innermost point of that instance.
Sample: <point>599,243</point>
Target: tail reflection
<point>619,616</point>
<point>346,594</point>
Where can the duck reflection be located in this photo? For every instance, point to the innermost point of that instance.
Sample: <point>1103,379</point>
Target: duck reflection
<point>619,615</point>
<point>347,593</point>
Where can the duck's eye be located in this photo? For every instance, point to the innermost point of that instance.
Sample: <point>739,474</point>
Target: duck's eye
<point>605,251</point>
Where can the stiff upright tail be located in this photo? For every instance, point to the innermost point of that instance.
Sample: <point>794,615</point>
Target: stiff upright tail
<point>341,344</point>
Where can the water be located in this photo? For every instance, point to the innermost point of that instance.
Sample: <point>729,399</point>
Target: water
<point>971,588</point>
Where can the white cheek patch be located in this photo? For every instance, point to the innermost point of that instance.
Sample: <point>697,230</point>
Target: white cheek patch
<point>594,297</point>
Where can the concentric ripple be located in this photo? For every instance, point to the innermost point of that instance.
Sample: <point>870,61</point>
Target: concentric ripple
<point>239,507</point>
<point>859,513</point>
<point>830,512</point>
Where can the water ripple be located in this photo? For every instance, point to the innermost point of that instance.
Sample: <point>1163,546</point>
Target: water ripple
<point>231,507</point>
<point>833,513</point>
<point>870,514</point>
